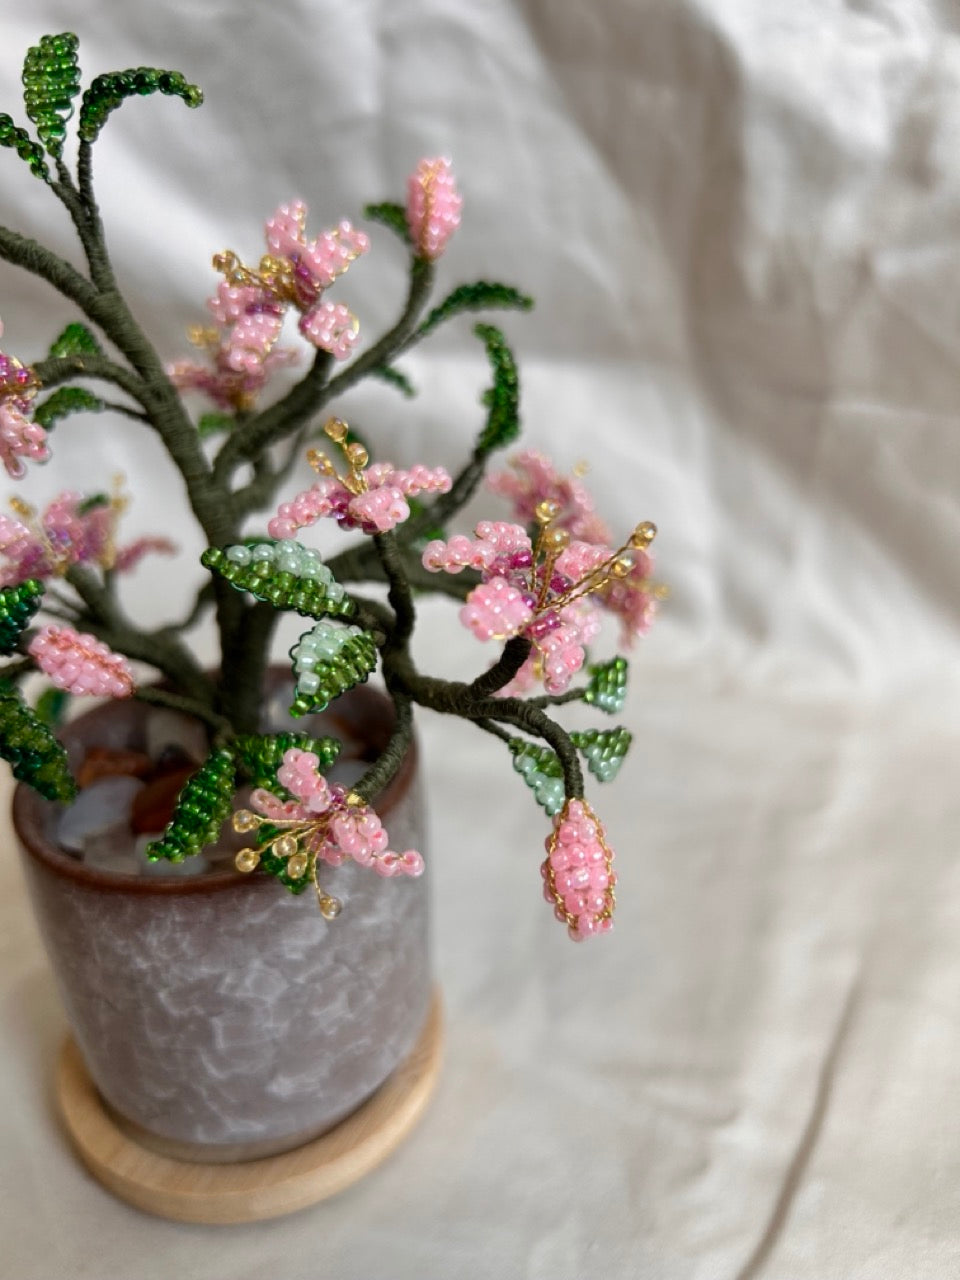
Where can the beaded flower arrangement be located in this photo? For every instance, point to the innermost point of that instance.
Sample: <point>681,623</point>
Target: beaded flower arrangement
<point>536,586</point>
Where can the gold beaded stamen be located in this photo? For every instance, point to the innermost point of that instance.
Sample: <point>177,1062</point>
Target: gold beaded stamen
<point>295,833</point>
<point>356,456</point>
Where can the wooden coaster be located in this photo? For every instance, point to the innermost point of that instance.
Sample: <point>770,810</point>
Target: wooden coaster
<point>253,1189</point>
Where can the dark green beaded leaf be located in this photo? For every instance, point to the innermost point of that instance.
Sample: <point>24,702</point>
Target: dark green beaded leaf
<point>202,807</point>
<point>76,340</point>
<point>107,92</point>
<point>212,424</point>
<point>51,80</point>
<point>603,749</point>
<point>391,215</point>
<point>503,398</point>
<point>351,666</point>
<point>387,373</point>
<point>17,606</point>
<point>30,748</point>
<point>607,689</point>
<point>259,756</point>
<point>51,706</point>
<point>481,296</point>
<point>305,596</point>
<point>63,402</point>
<point>11,135</point>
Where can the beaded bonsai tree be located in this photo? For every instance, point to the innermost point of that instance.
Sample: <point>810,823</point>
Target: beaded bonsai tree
<point>535,586</point>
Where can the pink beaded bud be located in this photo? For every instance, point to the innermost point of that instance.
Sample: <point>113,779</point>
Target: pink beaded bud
<point>496,611</point>
<point>81,663</point>
<point>332,327</point>
<point>433,207</point>
<point>19,437</point>
<point>578,875</point>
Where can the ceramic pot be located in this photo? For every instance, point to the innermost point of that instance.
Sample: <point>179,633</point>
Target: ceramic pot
<point>220,1017</point>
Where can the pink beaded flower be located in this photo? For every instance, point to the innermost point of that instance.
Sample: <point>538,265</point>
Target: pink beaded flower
<point>533,479</point>
<point>81,663</point>
<point>373,499</point>
<point>322,823</point>
<point>538,592</point>
<point>72,530</point>
<point>19,437</point>
<point>578,874</point>
<point>433,207</point>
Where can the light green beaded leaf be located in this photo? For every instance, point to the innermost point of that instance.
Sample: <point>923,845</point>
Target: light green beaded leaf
<point>63,402</point>
<point>607,689</point>
<point>503,398</point>
<point>18,604</point>
<point>31,750</point>
<point>259,756</point>
<point>285,574</point>
<point>603,749</point>
<point>541,770</point>
<point>108,92</point>
<point>51,80</point>
<point>75,340</point>
<point>11,135</point>
<point>484,295</point>
<point>328,660</point>
<point>202,808</point>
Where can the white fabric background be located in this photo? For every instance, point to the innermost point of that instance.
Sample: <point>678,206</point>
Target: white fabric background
<point>739,218</point>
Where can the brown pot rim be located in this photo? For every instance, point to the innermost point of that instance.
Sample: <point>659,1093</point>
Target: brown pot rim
<point>29,826</point>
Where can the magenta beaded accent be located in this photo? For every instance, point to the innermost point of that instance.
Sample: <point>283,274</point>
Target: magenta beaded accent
<point>19,437</point>
<point>81,663</point>
<point>578,875</point>
<point>433,207</point>
<point>325,821</point>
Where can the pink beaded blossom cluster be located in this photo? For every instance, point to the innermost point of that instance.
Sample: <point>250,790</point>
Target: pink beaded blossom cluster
<point>71,530</point>
<point>533,481</point>
<point>537,592</point>
<point>323,823</point>
<point>578,875</point>
<point>372,499</point>
<point>433,207</point>
<point>81,663</point>
<point>241,349</point>
<point>19,437</point>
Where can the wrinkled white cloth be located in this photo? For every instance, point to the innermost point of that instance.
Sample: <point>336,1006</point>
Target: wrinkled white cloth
<point>739,221</point>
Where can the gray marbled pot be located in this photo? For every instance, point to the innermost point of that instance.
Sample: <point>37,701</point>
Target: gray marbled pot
<point>220,1017</point>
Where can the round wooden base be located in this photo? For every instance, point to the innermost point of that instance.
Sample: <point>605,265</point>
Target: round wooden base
<point>254,1189</point>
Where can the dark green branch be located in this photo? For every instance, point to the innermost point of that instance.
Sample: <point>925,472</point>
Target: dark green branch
<point>401,600</point>
<point>383,770</point>
<point>189,706</point>
<point>64,368</point>
<point>39,261</point>
<point>515,653</point>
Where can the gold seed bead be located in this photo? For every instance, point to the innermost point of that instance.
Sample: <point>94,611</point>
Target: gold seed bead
<point>556,539</point>
<point>547,510</point>
<point>247,860</point>
<point>643,535</point>
<point>320,462</point>
<point>297,866</point>
<point>330,908</point>
<point>336,430</point>
<point>353,799</point>
<point>621,566</point>
<point>357,455</point>
<point>244,820</point>
<point>286,846</point>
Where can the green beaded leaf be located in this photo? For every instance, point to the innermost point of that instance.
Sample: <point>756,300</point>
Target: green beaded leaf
<point>63,402</point>
<point>481,296</point>
<point>259,756</point>
<point>31,750</point>
<point>503,398</point>
<point>542,772</point>
<point>607,689</point>
<point>390,215</point>
<point>202,807</point>
<point>603,749</point>
<point>328,660</point>
<point>11,135</point>
<point>17,606</point>
<point>76,340</point>
<point>51,80</point>
<point>285,574</point>
<point>51,706</point>
<point>108,92</point>
<point>212,424</point>
<point>388,373</point>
